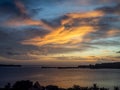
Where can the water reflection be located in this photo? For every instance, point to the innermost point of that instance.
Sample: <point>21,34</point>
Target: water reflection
<point>62,78</point>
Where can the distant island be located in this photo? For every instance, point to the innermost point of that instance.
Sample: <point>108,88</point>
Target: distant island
<point>115,65</point>
<point>9,65</point>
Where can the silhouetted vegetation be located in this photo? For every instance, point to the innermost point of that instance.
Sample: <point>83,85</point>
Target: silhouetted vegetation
<point>22,85</point>
<point>29,85</point>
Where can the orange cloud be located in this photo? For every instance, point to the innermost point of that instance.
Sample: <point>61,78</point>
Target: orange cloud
<point>113,32</point>
<point>81,16</point>
<point>29,22</point>
<point>61,36</point>
<point>86,15</point>
<point>64,35</point>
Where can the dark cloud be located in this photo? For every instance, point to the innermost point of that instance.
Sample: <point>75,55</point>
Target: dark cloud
<point>111,9</point>
<point>9,7</point>
<point>3,35</point>
<point>118,52</point>
<point>10,46</point>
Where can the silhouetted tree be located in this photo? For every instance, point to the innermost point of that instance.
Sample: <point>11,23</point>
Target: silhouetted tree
<point>8,86</point>
<point>76,87</point>
<point>95,87</point>
<point>22,85</point>
<point>116,88</point>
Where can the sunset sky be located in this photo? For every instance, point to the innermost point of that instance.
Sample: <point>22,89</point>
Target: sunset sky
<point>59,32</point>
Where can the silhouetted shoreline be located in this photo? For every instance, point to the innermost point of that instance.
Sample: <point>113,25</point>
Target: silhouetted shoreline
<point>9,65</point>
<point>115,65</point>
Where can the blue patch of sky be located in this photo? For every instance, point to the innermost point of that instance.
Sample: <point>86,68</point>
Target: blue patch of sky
<point>53,8</point>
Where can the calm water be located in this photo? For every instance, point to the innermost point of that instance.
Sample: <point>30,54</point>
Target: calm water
<point>61,77</point>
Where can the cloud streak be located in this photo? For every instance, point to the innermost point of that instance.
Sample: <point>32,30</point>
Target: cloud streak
<point>69,31</point>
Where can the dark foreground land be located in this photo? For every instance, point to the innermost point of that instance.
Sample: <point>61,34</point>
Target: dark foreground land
<point>29,85</point>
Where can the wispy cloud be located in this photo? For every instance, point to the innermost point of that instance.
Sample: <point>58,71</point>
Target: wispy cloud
<point>71,30</point>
